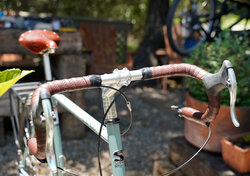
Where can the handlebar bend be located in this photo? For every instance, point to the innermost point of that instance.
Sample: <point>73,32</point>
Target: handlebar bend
<point>213,83</point>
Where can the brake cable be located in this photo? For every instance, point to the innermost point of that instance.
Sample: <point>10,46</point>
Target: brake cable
<point>201,148</point>
<point>67,171</point>
<point>102,123</point>
<point>106,113</point>
<point>128,106</point>
<point>165,174</point>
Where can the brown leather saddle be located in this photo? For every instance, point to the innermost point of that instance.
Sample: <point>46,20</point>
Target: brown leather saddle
<point>39,41</point>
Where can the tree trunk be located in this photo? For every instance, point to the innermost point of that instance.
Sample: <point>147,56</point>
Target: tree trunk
<point>153,38</point>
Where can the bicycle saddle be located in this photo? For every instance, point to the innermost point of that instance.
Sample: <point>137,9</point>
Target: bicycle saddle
<point>40,41</point>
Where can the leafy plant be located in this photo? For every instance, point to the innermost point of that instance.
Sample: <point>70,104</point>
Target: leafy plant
<point>233,47</point>
<point>130,10</point>
<point>246,138</point>
<point>10,77</point>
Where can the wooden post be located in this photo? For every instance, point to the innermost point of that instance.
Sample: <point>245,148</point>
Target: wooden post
<point>67,66</point>
<point>2,132</point>
<point>168,55</point>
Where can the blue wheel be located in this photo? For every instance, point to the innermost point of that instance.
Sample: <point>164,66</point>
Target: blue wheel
<point>189,24</point>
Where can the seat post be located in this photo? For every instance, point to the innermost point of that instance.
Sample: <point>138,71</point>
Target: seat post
<point>47,68</point>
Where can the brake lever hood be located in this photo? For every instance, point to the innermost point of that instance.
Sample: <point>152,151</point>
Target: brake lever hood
<point>225,78</point>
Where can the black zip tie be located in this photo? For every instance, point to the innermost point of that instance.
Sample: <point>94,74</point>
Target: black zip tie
<point>207,124</point>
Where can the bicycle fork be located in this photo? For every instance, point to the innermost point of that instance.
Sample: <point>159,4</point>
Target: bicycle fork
<point>114,137</point>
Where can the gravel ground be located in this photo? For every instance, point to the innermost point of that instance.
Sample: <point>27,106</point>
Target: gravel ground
<point>154,124</point>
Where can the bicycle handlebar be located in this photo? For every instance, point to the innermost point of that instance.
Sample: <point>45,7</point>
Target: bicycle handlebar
<point>60,86</point>
<point>213,83</point>
<point>202,75</point>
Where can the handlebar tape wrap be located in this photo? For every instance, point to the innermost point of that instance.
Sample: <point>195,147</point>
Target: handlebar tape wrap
<point>210,113</point>
<point>179,70</point>
<point>198,73</point>
<point>37,146</point>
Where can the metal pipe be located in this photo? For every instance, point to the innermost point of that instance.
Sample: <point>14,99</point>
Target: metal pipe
<point>115,149</point>
<point>114,137</point>
<point>118,76</point>
<point>47,68</point>
<point>24,173</point>
<point>83,116</point>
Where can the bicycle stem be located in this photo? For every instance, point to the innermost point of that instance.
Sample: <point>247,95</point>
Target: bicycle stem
<point>120,78</point>
<point>117,80</point>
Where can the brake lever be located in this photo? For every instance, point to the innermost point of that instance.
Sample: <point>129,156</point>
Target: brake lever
<point>232,87</point>
<point>224,78</point>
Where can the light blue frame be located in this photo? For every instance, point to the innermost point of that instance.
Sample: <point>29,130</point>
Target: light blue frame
<point>110,133</point>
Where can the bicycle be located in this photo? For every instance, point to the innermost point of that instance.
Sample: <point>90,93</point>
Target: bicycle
<point>191,24</point>
<point>22,126</point>
<point>45,142</point>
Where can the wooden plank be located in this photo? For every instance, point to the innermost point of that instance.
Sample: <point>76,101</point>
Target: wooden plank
<point>9,42</point>
<point>2,141</point>
<point>99,39</point>
<point>67,66</point>
<point>173,57</point>
<point>71,43</point>
<point>5,105</point>
<point>205,164</point>
<point>162,167</point>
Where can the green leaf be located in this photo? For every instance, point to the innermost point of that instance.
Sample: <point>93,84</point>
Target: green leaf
<point>10,77</point>
<point>246,138</point>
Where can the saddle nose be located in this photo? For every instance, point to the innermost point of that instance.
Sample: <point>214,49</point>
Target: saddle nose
<point>39,41</point>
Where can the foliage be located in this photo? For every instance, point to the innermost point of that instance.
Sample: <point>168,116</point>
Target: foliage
<point>210,56</point>
<point>10,77</point>
<point>131,10</point>
<point>131,47</point>
<point>246,138</point>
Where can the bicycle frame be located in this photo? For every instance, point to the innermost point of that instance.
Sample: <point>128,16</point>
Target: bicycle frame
<point>110,133</point>
<point>15,120</point>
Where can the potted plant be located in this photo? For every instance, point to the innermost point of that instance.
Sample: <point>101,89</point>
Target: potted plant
<point>210,56</point>
<point>236,152</point>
